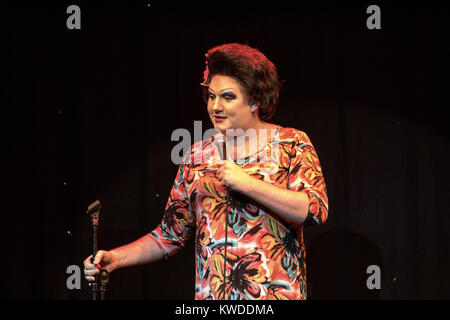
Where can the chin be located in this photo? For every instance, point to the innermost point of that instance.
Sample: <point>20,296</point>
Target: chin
<point>220,128</point>
<point>220,125</point>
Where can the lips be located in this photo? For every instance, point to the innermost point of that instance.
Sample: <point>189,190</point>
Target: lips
<point>219,118</point>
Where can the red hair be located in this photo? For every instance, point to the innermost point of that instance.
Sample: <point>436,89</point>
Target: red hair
<point>252,69</point>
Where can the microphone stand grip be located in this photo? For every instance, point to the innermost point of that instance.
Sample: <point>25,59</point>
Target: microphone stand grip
<point>94,212</point>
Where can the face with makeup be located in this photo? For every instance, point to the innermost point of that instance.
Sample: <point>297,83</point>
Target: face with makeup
<point>228,107</point>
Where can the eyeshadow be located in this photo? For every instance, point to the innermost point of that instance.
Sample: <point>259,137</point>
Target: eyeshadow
<point>229,94</point>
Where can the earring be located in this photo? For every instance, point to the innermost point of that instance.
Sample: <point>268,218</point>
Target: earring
<point>253,107</point>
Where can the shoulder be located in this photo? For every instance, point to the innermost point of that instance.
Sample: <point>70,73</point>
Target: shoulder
<point>211,139</point>
<point>198,150</point>
<point>203,144</point>
<point>294,136</point>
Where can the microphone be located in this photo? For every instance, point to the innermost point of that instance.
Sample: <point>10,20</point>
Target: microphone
<point>94,207</point>
<point>221,144</point>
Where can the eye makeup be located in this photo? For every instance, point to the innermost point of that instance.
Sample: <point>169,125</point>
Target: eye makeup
<point>228,96</point>
<point>210,95</point>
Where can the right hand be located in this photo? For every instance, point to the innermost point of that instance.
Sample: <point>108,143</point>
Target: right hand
<point>103,260</point>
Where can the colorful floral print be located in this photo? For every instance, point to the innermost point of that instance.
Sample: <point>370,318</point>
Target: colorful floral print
<point>263,256</point>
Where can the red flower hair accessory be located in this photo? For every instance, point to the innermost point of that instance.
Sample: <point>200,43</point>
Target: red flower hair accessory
<point>206,72</point>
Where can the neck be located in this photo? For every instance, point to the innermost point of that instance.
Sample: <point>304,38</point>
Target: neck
<point>243,143</point>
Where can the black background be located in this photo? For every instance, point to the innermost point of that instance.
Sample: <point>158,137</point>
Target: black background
<point>90,114</point>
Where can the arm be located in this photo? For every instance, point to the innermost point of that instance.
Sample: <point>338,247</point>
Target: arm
<point>303,200</point>
<point>291,205</point>
<point>164,240</point>
<point>142,251</point>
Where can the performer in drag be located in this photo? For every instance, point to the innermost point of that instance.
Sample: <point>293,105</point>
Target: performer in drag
<point>247,206</point>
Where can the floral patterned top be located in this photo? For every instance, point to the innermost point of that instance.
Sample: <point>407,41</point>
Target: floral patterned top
<point>263,256</point>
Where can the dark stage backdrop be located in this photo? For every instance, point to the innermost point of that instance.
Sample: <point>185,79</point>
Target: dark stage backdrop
<point>90,114</point>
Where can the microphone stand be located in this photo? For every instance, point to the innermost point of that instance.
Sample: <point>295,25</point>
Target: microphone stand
<point>228,199</point>
<point>94,212</point>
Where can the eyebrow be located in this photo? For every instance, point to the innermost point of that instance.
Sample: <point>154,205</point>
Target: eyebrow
<point>221,90</point>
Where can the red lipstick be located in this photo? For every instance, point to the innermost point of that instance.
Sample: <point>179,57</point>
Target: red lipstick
<point>219,118</point>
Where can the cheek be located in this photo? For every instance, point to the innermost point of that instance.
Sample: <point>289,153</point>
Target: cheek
<point>242,113</point>
<point>235,109</point>
<point>209,108</point>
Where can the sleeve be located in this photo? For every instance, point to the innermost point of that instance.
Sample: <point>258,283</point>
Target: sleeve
<point>177,222</point>
<point>305,174</point>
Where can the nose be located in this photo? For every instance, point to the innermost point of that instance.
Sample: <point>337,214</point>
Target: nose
<point>216,105</point>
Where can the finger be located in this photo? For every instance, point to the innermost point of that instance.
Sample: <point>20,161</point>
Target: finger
<point>90,266</point>
<point>222,179</point>
<point>222,163</point>
<point>91,272</point>
<point>87,261</point>
<point>98,257</point>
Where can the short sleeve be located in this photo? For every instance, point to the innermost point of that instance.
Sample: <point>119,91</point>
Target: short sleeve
<point>177,222</point>
<point>305,174</point>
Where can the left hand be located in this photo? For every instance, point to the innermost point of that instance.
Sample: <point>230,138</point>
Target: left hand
<point>231,175</point>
